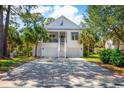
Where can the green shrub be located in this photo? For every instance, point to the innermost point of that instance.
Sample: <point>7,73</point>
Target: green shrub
<point>85,54</point>
<point>105,55</point>
<point>26,50</point>
<point>116,58</point>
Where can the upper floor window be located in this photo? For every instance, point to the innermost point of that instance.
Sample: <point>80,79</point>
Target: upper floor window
<point>74,35</point>
<point>53,37</point>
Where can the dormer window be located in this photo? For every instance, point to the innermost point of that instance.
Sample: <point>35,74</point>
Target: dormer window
<point>61,24</point>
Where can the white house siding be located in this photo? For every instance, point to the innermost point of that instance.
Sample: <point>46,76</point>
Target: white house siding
<point>67,24</point>
<point>46,50</point>
<point>74,52</point>
<point>74,49</point>
<point>49,49</point>
<point>113,45</point>
<point>121,46</point>
<point>109,44</point>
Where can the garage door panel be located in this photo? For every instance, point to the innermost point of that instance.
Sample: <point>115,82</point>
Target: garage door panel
<point>74,52</point>
<point>49,52</point>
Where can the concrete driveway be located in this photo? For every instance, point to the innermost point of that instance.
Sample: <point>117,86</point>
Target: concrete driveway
<point>67,73</point>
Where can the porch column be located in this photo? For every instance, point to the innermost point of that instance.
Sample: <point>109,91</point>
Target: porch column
<point>65,45</point>
<point>58,44</point>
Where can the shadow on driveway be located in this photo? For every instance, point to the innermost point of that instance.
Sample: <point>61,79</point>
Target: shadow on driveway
<point>67,73</point>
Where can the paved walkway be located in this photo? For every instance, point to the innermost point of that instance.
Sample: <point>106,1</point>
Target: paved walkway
<point>66,73</point>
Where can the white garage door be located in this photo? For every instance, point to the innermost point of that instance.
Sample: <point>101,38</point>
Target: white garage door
<point>74,52</point>
<point>49,52</point>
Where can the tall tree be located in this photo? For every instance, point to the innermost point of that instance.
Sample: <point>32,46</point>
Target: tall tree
<point>49,20</point>
<point>6,31</point>
<point>34,23</point>
<point>106,20</point>
<point>1,30</point>
<point>88,38</point>
<point>11,11</point>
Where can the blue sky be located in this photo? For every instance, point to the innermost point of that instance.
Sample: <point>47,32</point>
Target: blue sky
<point>74,12</point>
<point>81,9</point>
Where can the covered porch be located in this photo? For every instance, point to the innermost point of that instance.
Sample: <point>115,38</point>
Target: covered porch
<point>55,45</point>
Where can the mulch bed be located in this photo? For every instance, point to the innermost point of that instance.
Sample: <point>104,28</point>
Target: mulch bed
<point>119,70</point>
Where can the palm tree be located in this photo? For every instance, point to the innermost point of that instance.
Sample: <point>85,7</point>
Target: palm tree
<point>27,38</point>
<point>40,34</point>
<point>13,38</point>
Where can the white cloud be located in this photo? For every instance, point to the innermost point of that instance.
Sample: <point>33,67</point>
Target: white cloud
<point>70,12</point>
<point>42,9</point>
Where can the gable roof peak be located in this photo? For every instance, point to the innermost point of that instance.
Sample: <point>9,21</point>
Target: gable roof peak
<point>62,23</point>
<point>62,16</point>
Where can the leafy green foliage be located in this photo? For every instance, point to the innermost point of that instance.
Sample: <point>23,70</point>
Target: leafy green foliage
<point>88,38</point>
<point>105,55</point>
<point>111,56</point>
<point>85,53</point>
<point>48,20</point>
<point>116,58</point>
<point>34,30</point>
<point>26,51</point>
<point>14,39</point>
<point>6,63</point>
<point>106,21</point>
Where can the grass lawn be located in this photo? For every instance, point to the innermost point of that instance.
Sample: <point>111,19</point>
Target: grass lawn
<point>6,65</point>
<point>96,59</point>
<point>93,58</point>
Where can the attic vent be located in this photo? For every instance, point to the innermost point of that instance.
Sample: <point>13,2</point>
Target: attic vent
<point>61,24</point>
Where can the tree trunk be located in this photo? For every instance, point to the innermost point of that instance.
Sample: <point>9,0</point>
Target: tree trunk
<point>27,45</point>
<point>118,44</point>
<point>88,49</point>
<point>1,30</point>
<point>36,49</point>
<point>104,44</point>
<point>6,31</point>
